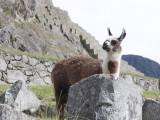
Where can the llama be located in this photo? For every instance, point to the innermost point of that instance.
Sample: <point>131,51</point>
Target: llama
<point>111,63</point>
<point>72,70</point>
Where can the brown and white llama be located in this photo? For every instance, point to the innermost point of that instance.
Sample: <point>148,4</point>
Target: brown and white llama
<point>74,69</point>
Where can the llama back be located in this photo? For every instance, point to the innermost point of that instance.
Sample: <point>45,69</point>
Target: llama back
<point>77,68</point>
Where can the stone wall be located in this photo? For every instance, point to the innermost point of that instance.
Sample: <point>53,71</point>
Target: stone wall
<point>21,67</point>
<point>35,71</point>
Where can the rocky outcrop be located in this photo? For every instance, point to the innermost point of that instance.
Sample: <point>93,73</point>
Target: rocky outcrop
<point>19,9</point>
<point>101,98</point>
<point>151,110</point>
<point>39,27</point>
<point>20,97</point>
<point>146,84</point>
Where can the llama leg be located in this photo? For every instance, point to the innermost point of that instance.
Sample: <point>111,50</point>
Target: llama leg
<point>114,76</point>
<point>61,95</point>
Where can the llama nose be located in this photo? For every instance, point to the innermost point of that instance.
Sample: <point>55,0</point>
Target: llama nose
<point>104,46</point>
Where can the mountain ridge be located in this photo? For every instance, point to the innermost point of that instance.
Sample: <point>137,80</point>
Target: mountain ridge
<point>145,65</point>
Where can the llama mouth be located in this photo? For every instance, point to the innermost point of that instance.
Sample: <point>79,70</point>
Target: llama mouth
<point>108,49</point>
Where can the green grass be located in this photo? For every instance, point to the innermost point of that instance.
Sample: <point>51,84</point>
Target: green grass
<point>137,75</point>
<point>149,94</point>
<point>4,87</point>
<point>45,94</point>
<point>30,54</point>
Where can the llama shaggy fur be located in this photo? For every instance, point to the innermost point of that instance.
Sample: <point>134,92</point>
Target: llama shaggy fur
<point>72,70</point>
<point>69,72</point>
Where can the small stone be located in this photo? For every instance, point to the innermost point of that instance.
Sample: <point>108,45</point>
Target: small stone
<point>48,63</point>
<point>43,73</point>
<point>33,61</point>
<point>1,75</point>
<point>36,80</point>
<point>40,67</point>
<point>50,69</point>
<point>14,75</point>
<point>29,73</point>
<point>3,65</point>
<point>10,66</point>
<point>24,58</point>
<point>48,80</point>
<point>18,57</point>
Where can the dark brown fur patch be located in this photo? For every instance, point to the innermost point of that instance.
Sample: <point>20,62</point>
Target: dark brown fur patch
<point>69,72</point>
<point>113,67</point>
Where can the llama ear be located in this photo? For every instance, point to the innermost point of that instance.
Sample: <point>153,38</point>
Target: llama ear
<point>109,32</point>
<point>122,35</point>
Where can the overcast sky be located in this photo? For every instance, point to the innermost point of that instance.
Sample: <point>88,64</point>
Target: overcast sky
<point>140,18</point>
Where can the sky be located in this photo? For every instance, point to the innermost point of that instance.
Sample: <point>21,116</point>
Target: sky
<point>140,18</point>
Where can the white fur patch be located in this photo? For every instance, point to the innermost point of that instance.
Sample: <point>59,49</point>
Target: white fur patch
<point>111,56</point>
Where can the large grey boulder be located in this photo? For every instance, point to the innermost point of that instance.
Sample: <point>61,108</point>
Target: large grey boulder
<point>20,97</point>
<point>151,110</point>
<point>101,98</point>
<point>8,113</point>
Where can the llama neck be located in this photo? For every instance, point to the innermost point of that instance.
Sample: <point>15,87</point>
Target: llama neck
<point>113,57</point>
<point>116,57</point>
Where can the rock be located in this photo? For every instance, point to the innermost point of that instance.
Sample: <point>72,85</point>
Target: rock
<point>33,61</point>
<point>24,58</point>
<point>14,75</point>
<point>29,73</point>
<point>36,80</point>
<point>20,97</point>
<point>48,63</point>
<point>100,98</point>
<point>8,113</point>
<point>128,78</point>
<point>48,80</point>
<point>43,73</point>
<point>10,66</point>
<point>1,75</point>
<point>11,94</point>
<point>50,69</point>
<point>3,65</point>
<point>40,67</point>
<point>18,57</point>
<point>151,110</point>
<point>18,64</point>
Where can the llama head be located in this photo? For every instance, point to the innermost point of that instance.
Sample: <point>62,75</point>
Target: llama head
<point>113,44</point>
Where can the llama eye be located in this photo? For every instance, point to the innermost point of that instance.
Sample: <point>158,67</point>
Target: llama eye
<point>107,41</point>
<point>114,42</point>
